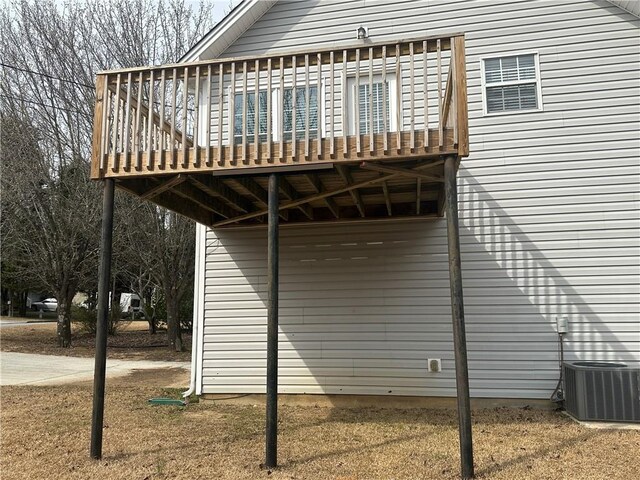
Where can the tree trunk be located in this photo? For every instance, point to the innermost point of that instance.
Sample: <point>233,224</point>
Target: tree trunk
<point>173,325</point>
<point>64,322</point>
<point>149,312</point>
<point>151,319</point>
<point>65,300</point>
<point>22,306</point>
<point>10,313</point>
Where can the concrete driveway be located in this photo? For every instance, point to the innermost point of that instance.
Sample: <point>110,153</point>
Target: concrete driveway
<point>33,369</point>
<point>22,322</point>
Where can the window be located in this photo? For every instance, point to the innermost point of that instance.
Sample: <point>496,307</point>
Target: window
<point>251,117</point>
<point>301,108</point>
<point>362,122</point>
<point>301,117</point>
<point>512,84</point>
<point>365,107</point>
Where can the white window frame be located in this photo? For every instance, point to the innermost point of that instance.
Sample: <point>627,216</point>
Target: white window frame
<point>250,136</point>
<point>536,60</point>
<point>349,102</point>
<point>275,106</point>
<point>276,111</point>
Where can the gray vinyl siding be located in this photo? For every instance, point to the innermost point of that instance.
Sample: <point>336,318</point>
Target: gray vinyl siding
<point>550,223</point>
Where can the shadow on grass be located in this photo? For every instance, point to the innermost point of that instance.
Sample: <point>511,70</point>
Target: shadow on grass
<point>536,454</point>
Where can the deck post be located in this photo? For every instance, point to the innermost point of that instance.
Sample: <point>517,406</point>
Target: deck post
<point>97,419</point>
<point>271,460</point>
<point>457,313</point>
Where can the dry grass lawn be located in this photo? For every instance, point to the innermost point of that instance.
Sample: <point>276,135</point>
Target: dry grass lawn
<point>45,435</point>
<point>132,342</point>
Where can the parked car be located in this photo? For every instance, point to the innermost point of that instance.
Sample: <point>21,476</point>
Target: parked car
<point>46,305</point>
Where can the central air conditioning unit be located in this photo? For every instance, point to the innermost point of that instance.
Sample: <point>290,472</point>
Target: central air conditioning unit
<point>602,391</point>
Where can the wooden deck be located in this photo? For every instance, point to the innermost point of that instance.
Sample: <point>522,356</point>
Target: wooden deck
<point>200,138</point>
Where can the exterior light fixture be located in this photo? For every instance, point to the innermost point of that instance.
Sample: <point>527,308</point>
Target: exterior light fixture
<point>363,32</point>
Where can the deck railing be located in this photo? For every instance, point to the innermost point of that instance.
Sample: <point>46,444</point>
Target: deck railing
<point>373,101</point>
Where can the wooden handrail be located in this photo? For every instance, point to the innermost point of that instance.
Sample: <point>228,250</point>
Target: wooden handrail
<point>276,57</point>
<point>216,114</point>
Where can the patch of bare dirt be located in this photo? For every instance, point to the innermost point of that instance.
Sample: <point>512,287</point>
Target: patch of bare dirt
<point>132,342</point>
<point>45,434</point>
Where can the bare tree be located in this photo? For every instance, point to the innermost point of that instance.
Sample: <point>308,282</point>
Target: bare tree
<point>164,242</point>
<point>51,217</point>
<point>50,53</point>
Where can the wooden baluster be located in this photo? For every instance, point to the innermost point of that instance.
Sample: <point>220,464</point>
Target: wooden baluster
<point>185,107</point>
<point>256,108</point>
<point>319,105</point>
<point>127,124</point>
<point>245,119</point>
<point>439,80</point>
<point>121,107</point>
<point>137,143</point>
<point>462,116</point>
<point>115,126</point>
<point>294,95</point>
<point>143,138</point>
<point>332,89</point>
<point>104,142</point>
<point>196,120</point>
<point>425,99</point>
<point>385,106</point>
<point>307,106</point>
<point>269,108</point>
<point>207,127</point>
<point>357,104</point>
<point>371,125</point>
<point>281,113</point>
<point>232,113</point>
<point>412,98</point>
<point>174,103</point>
<point>399,112</point>
<point>162,146</point>
<point>454,108</point>
<point>150,122</point>
<point>220,111</point>
<point>345,97</point>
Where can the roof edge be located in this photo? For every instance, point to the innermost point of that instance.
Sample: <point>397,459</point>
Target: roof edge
<point>228,30</point>
<point>629,6</point>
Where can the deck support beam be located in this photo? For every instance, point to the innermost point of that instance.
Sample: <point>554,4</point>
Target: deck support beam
<point>457,313</point>
<point>97,418</point>
<point>271,460</point>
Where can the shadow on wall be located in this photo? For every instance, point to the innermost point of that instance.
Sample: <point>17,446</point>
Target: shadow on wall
<point>363,306</point>
<point>566,263</point>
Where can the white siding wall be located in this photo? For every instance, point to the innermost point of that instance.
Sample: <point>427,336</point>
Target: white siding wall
<point>550,223</point>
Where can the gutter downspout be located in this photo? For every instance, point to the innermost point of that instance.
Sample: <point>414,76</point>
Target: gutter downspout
<point>196,314</point>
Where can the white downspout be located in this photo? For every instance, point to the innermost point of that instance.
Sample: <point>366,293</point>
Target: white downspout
<point>197,309</point>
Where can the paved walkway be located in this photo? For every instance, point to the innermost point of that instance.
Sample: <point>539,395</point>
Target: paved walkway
<point>33,369</point>
<point>22,322</point>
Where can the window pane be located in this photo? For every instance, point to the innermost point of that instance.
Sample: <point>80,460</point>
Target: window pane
<point>512,97</point>
<point>364,106</point>
<point>492,70</point>
<point>526,67</point>
<point>251,117</point>
<point>301,112</point>
<point>238,109</point>
<point>509,69</point>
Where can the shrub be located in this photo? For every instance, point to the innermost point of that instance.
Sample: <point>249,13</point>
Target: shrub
<point>84,318</point>
<point>115,319</point>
